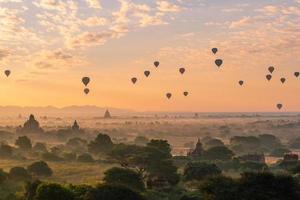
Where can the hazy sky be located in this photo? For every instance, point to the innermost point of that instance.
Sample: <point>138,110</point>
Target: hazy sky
<point>49,45</point>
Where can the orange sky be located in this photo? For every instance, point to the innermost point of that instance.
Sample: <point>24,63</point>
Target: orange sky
<point>49,47</point>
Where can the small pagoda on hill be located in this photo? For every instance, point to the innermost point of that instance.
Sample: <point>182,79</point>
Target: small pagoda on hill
<point>107,115</point>
<point>75,128</point>
<point>197,152</point>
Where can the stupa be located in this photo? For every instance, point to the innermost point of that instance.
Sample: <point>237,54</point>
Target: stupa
<point>107,115</point>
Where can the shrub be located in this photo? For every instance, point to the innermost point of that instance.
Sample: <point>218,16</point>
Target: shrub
<point>109,192</point>
<point>53,191</point>
<point>85,158</point>
<point>40,168</point>
<point>24,143</point>
<point>125,177</point>
<point>19,174</point>
<point>3,176</point>
<point>200,170</point>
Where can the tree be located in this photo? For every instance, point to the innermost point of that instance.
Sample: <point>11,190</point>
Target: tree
<point>110,192</point>
<point>51,157</point>
<point>256,186</point>
<point>213,143</point>
<point>30,189</point>
<point>19,174</point>
<point>269,142</point>
<point>153,161</point>
<point>77,145</point>
<point>200,170</point>
<point>218,153</point>
<point>279,152</point>
<point>40,147</point>
<point>125,177</point>
<point>85,158</point>
<point>51,191</point>
<point>40,168</point>
<point>3,176</point>
<point>80,191</point>
<point>6,151</point>
<point>24,143</point>
<point>102,144</point>
<point>141,140</point>
<point>132,156</point>
<point>295,143</point>
<point>161,145</point>
<point>220,188</point>
<point>245,144</point>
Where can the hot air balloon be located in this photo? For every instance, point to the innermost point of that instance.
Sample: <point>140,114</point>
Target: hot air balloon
<point>297,74</point>
<point>86,90</point>
<point>271,69</point>
<point>7,72</point>
<point>279,106</point>
<point>182,70</point>
<point>134,80</point>
<point>269,77</point>
<point>156,63</point>
<point>185,93</point>
<point>219,62</point>
<point>85,80</point>
<point>282,80</point>
<point>214,50</point>
<point>147,73</point>
<point>169,95</point>
<point>241,82</point>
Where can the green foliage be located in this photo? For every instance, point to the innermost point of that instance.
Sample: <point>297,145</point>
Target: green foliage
<point>253,166</point>
<point>256,186</point>
<point>295,143</point>
<point>51,157</point>
<point>52,191</point>
<point>77,145</point>
<point>6,151</point>
<point>245,144</point>
<point>30,189</point>
<point>141,140</point>
<point>80,191</point>
<point>3,176</point>
<point>40,168</point>
<point>269,142</point>
<point>218,153</point>
<point>279,152</point>
<point>213,143</point>
<point>219,188</point>
<point>125,177</point>
<point>19,174</point>
<point>69,156</point>
<point>199,171</point>
<point>153,161</point>
<point>161,145</point>
<point>85,158</point>
<point>251,186</point>
<point>24,143</point>
<point>101,144</point>
<point>112,192</point>
<point>40,147</point>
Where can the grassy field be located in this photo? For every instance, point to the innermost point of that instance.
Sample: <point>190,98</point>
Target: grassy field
<point>66,172</point>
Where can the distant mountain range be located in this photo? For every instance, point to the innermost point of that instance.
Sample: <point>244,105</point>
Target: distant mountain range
<point>71,111</point>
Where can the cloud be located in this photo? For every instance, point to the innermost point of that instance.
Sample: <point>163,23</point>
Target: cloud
<point>241,22</point>
<point>95,21</point>
<point>4,53</point>
<point>92,38</point>
<point>165,6</point>
<point>94,4</point>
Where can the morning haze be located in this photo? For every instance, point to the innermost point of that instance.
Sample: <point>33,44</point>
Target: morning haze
<point>149,100</point>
